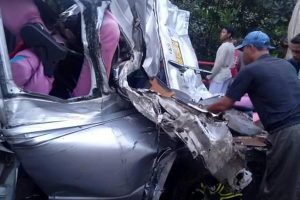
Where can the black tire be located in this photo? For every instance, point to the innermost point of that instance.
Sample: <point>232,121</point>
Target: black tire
<point>190,180</point>
<point>184,179</point>
<point>27,189</point>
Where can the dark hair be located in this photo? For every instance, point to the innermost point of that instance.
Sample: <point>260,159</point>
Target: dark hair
<point>229,30</point>
<point>296,39</point>
<point>284,42</point>
<point>260,48</point>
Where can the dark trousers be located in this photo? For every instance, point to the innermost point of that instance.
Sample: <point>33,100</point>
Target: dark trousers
<point>282,177</point>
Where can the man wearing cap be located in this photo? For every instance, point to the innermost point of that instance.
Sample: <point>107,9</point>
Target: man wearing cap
<point>274,90</point>
<point>294,46</point>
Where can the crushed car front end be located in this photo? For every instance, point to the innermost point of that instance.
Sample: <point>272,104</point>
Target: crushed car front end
<point>121,140</point>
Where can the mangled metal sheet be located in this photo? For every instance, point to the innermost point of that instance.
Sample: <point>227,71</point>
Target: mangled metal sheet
<point>122,12</point>
<point>176,45</point>
<point>241,123</point>
<point>165,33</point>
<point>139,15</point>
<point>143,11</point>
<point>92,14</point>
<point>206,137</point>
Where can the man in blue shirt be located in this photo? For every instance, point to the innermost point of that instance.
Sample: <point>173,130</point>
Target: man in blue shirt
<point>274,90</point>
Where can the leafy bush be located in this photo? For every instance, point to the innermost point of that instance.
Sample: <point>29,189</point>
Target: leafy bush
<point>209,16</point>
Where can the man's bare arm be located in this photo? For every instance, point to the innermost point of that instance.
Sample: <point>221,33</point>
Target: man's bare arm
<point>223,104</point>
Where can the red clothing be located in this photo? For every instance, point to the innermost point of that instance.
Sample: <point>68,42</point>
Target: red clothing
<point>236,67</point>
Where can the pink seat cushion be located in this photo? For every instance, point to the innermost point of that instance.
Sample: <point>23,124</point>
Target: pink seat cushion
<point>245,102</point>
<point>28,74</point>
<point>255,117</point>
<point>109,39</point>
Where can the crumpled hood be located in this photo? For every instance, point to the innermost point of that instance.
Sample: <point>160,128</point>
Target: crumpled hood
<point>206,137</point>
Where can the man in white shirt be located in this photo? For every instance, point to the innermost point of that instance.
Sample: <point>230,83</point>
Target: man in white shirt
<point>221,71</point>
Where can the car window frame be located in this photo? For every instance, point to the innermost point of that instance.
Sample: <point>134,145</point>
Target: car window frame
<point>9,89</point>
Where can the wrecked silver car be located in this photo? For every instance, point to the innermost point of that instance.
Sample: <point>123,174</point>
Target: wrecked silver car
<point>141,130</point>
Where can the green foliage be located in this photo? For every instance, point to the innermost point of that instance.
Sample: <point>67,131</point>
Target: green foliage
<point>209,16</point>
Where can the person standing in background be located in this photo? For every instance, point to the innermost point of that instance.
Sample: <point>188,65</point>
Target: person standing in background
<point>294,46</point>
<point>221,71</point>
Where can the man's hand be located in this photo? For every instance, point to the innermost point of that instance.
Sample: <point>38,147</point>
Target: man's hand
<point>155,86</point>
<point>206,81</point>
<point>223,104</point>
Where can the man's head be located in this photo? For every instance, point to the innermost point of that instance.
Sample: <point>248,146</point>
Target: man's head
<point>294,45</point>
<point>226,34</point>
<point>254,45</point>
